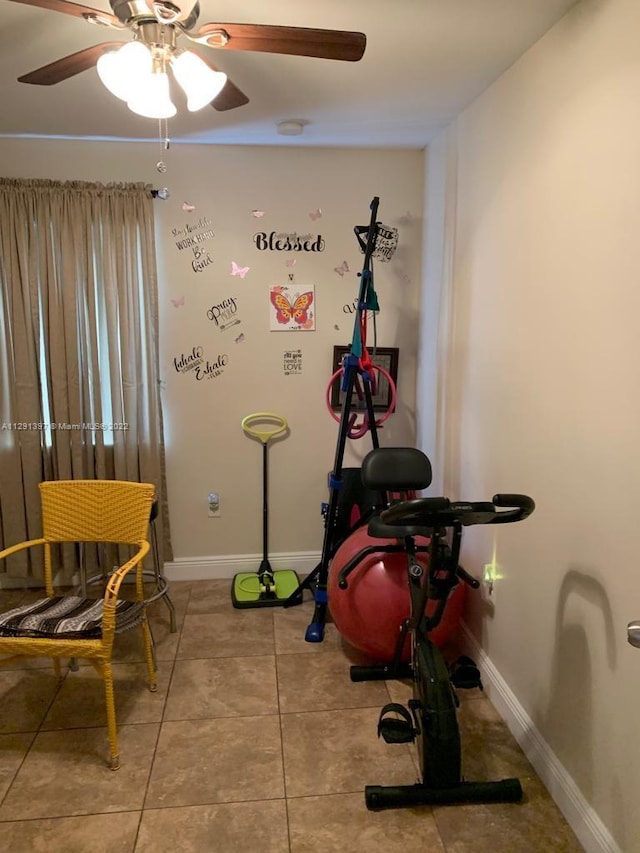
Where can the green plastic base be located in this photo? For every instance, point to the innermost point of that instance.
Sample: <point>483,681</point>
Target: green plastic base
<point>246,589</point>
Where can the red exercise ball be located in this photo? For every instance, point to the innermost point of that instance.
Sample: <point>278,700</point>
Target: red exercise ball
<point>369,612</point>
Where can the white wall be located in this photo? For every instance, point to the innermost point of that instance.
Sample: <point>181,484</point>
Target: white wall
<point>542,386</point>
<point>206,449</point>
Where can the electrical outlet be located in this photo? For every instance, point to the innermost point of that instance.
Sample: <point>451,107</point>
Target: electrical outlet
<point>214,505</point>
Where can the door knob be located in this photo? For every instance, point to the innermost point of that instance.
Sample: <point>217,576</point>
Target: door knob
<point>633,632</point>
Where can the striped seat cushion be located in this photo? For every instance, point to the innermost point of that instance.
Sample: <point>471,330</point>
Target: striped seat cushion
<point>67,617</point>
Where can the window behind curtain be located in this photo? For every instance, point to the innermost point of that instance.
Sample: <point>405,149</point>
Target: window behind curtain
<point>79,346</point>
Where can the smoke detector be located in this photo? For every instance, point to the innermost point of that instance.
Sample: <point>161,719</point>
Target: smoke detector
<point>291,127</point>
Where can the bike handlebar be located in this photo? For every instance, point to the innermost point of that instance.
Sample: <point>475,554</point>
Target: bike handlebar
<point>423,516</point>
<point>523,503</point>
<point>441,512</point>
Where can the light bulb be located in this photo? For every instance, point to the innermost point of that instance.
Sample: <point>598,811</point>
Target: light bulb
<point>151,98</point>
<point>200,83</point>
<point>121,70</point>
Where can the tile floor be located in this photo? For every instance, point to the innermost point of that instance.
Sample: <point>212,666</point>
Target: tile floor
<point>255,740</point>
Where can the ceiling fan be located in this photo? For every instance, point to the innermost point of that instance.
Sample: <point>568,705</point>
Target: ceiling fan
<point>157,26</point>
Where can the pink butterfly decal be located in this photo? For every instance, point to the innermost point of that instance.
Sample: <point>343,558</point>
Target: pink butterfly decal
<point>188,208</point>
<point>290,262</point>
<point>286,312</point>
<point>178,303</point>
<point>257,213</point>
<point>240,338</point>
<point>315,214</point>
<point>236,270</point>
<point>342,269</point>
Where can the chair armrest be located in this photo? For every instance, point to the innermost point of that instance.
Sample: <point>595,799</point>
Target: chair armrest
<point>113,588</point>
<point>116,578</point>
<point>13,549</point>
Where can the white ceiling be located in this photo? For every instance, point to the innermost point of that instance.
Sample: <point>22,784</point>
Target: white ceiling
<point>425,60</point>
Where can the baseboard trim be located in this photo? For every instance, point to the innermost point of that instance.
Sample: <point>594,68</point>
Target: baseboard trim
<point>225,566</point>
<point>579,814</point>
<point>221,567</point>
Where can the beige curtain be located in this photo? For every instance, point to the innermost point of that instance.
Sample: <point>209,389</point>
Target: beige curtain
<point>79,376</point>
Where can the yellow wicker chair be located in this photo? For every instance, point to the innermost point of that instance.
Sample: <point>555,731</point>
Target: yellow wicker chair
<point>74,627</point>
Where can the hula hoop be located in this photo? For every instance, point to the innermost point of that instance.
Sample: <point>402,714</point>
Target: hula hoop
<point>357,430</point>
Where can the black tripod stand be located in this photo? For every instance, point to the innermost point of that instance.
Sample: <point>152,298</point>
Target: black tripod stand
<point>353,372</point>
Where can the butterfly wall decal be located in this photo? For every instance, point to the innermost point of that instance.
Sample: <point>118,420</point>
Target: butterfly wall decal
<point>236,270</point>
<point>257,213</point>
<point>287,311</point>
<point>343,269</point>
<point>178,303</point>
<point>188,208</point>
<point>315,214</point>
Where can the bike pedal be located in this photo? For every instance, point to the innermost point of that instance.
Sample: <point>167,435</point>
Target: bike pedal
<point>394,730</point>
<point>464,674</point>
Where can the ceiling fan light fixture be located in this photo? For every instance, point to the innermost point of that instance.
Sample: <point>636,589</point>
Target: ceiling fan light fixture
<point>151,98</point>
<point>120,70</point>
<point>200,83</point>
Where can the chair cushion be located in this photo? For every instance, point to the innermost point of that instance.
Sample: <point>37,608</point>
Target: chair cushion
<point>67,617</point>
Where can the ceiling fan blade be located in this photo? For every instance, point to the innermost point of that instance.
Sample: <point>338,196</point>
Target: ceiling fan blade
<point>69,9</point>
<point>230,97</point>
<point>295,41</point>
<point>68,66</point>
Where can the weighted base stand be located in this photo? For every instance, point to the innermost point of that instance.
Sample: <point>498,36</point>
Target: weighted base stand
<point>265,588</point>
<point>405,796</point>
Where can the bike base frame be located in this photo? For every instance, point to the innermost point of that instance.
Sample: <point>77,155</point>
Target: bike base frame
<point>378,797</point>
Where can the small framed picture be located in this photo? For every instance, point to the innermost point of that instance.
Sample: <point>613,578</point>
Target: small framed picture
<point>384,357</point>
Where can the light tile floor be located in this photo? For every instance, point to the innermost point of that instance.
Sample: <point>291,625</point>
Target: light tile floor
<point>255,740</point>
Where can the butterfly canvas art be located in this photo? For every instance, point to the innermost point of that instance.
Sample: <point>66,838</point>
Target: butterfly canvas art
<point>292,310</point>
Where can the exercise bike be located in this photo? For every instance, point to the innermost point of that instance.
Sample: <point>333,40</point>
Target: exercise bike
<point>431,717</point>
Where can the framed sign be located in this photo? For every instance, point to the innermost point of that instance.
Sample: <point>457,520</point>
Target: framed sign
<point>384,357</point>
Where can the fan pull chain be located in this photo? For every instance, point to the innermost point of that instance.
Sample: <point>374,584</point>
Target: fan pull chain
<point>165,142</point>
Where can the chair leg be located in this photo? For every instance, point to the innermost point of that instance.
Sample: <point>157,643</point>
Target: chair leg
<point>112,730</point>
<point>172,613</point>
<point>149,654</point>
<point>161,581</point>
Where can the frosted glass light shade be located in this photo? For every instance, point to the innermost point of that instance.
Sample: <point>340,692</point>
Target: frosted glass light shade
<point>200,83</point>
<point>120,70</point>
<point>151,97</point>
